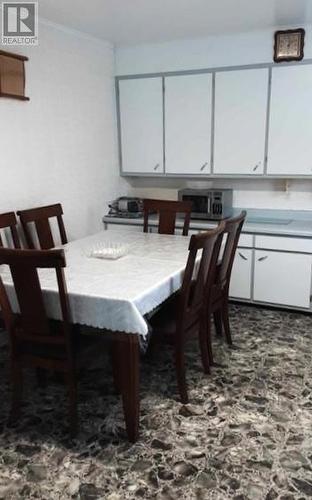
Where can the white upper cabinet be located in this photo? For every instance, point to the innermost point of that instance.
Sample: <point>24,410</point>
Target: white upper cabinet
<point>240,121</point>
<point>199,124</point>
<point>290,145</point>
<point>141,125</point>
<point>188,103</point>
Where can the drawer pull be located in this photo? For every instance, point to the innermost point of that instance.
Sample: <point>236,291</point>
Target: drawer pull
<point>256,166</point>
<point>242,256</point>
<point>203,166</point>
<point>156,166</point>
<point>262,258</point>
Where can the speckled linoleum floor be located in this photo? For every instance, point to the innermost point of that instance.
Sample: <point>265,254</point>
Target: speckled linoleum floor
<point>247,433</point>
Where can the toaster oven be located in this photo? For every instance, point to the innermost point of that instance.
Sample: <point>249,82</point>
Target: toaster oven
<point>125,206</point>
<point>209,203</point>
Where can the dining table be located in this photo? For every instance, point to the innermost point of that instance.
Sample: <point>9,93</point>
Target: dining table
<point>116,296</point>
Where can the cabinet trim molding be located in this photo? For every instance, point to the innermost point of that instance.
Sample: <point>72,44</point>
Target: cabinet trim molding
<point>214,69</point>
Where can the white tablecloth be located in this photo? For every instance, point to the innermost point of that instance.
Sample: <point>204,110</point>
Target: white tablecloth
<point>115,294</point>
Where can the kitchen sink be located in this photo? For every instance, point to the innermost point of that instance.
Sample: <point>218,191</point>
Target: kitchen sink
<point>267,220</point>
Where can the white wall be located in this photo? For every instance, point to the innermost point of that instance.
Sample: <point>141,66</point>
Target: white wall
<point>61,145</point>
<point>277,194</point>
<point>216,51</point>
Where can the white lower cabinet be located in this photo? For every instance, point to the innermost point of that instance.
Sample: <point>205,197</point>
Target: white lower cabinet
<point>266,269</point>
<point>282,278</point>
<point>240,286</point>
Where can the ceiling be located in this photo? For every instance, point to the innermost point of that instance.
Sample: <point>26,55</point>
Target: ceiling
<point>126,22</point>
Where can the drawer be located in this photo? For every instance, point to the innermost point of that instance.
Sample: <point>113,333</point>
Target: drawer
<point>122,227</point>
<point>245,240</point>
<point>284,243</point>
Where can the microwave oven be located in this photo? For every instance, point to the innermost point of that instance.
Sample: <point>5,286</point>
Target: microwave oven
<point>213,204</point>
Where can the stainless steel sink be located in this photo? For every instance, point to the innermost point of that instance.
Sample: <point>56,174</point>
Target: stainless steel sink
<point>268,220</point>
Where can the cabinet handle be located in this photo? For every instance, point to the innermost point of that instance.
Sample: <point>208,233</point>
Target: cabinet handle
<point>242,256</point>
<point>156,166</point>
<point>203,166</point>
<point>256,166</point>
<point>262,258</point>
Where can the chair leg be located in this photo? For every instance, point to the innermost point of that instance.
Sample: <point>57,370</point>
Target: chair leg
<point>129,353</point>
<point>226,322</point>
<point>218,322</point>
<point>180,371</point>
<point>208,339</point>
<point>203,344</point>
<point>151,347</point>
<point>73,413</point>
<point>115,360</point>
<point>41,378</point>
<point>17,389</point>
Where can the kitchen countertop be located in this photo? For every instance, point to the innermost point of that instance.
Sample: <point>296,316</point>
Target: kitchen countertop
<point>293,223</point>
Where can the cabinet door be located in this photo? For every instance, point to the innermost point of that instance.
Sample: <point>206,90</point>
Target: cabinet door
<point>282,278</point>
<point>141,125</point>
<point>240,285</point>
<point>290,145</point>
<point>240,121</point>
<point>188,101</point>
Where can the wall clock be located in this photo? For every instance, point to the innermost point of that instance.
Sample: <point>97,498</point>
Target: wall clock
<point>289,45</point>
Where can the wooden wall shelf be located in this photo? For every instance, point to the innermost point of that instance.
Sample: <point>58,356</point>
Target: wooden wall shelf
<point>13,96</point>
<point>12,76</point>
<point>15,56</point>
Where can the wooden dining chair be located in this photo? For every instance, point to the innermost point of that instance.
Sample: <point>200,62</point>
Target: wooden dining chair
<point>218,300</point>
<point>34,341</point>
<point>186,315</point>
<point>40,217</point>
<point>8,221</point>
<point>167,211</point>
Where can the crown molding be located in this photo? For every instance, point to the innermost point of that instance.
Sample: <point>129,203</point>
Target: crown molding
<point>71,31</point>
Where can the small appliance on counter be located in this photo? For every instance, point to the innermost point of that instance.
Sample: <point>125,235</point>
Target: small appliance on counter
<point>214,204</point>
<point>126,207</point>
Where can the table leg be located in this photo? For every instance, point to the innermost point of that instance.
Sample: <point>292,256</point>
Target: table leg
<point>115,355</point>
<point>126,364</point>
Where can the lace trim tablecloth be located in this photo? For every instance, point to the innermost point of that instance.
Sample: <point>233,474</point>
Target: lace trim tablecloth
<point>115,295</point>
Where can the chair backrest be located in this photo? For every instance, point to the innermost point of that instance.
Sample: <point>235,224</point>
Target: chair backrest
<point>32,323</point>
<point>199,276</point>
<point>232,232</point>
<point>8,221</point>
<point>167,211</point>
<point>40,216</point>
